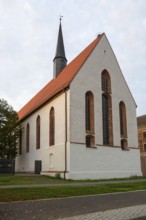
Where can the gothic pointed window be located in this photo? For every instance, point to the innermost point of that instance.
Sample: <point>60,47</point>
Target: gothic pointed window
<point>52,126</point>
<point>106,108</point>
<point>106,82</point>
<point>38,131</point>
<point>27,138</point>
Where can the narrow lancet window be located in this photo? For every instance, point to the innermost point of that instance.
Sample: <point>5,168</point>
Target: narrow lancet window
<point>89,119</point>
<point>20,141</point>
<point>123,125</point>
<point>27,138</point>
<point>106,108</point>
<point>105,119</point>
<point>89,108</point>
<point>123,122</point>
<point>38,132</point>
<point>52,126</point>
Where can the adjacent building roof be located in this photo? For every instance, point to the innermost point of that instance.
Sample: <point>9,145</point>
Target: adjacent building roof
<point>57,85</point>
<point>141,120</point>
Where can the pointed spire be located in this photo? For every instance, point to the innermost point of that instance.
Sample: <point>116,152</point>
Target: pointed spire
<point>60,60</point>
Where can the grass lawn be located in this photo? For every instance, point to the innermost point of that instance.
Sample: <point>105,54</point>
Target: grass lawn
<point>32,193</point>
<point>8,179</point>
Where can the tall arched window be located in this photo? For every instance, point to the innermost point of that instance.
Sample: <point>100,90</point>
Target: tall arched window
<point>27,138</point>
<point>123,122</point>
<point>52,126</point>
<point>20,141</point>
<point>38,132</point>
<point>105,119</point>
<point>123,125</point>
<point>106,108</point>
<point>89,108</point>
<point>89,119</point>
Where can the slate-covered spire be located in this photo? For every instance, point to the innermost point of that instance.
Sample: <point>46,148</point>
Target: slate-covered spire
<point>60,60</point>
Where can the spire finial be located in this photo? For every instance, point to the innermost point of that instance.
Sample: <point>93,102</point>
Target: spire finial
<point>60,60</point>
<point>60,17</point>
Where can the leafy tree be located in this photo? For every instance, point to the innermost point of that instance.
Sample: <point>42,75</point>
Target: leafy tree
<point>8,131</point>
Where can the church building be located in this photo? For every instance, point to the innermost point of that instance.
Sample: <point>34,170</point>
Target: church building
<point>82,124</point>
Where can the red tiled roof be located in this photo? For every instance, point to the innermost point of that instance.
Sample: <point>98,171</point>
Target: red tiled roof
<point>62,81</point>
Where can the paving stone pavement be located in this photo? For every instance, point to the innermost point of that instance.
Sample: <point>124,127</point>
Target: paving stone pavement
<point>127,213</point>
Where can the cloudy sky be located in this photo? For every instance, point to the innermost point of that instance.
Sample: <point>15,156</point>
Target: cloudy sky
<point>28,36</point>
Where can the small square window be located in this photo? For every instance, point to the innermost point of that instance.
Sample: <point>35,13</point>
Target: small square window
<point>90,141</point>
<point>144,134</point>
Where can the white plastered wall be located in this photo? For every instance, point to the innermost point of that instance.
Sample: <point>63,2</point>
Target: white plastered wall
<point>52,157</point>
<point>89,79</point>
<point>103,162</point>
